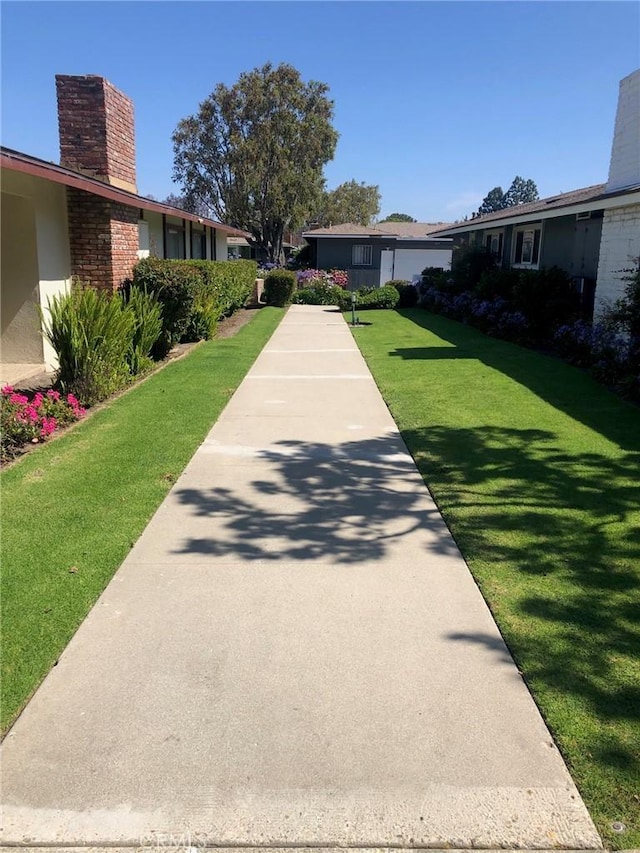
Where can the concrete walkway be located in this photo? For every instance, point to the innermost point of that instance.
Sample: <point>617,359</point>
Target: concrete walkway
<point>294,653</point>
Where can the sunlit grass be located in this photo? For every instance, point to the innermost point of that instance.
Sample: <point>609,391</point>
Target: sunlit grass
<point>72,509</point>
<point>536,469</point>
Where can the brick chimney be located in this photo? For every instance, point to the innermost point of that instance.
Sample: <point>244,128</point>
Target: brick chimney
<point>96,128</point>
<point>624,167</point>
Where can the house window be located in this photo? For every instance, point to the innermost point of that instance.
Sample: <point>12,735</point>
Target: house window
<point>361,256</point>
<point>198,245</point>
<point>527,247</point>
<point>493,243</point>
<point>175,242</point>
<point>144,243</point>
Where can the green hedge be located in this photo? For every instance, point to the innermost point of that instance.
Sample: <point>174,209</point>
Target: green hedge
<point>231,282</point>
<point>279,287</point>
<point>194,295</point>
<point>386,296</point>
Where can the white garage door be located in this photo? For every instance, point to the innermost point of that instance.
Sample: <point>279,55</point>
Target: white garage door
<point>411,262</point>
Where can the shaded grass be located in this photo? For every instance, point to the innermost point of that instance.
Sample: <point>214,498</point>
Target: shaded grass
<point>72,509</point>
<point>536,469</point>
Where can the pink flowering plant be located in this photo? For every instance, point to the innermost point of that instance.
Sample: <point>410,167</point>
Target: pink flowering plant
<point>322,278</point>
<point>26,420</point>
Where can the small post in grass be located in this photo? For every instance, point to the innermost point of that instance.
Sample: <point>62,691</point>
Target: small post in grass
<point>353,307</point>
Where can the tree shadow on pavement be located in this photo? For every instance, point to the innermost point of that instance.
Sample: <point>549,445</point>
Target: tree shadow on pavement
<point>350,502</point>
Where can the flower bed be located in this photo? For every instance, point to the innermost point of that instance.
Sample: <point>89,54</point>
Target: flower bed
<point>31,421</point>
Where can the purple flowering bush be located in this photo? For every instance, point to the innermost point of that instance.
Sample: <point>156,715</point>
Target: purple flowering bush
<point>523,306</point>
<point>610,347</point>
<point>31,421</point>
<point>492,316</point>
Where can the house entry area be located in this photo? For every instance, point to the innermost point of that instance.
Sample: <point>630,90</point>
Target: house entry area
<point>21,347</point>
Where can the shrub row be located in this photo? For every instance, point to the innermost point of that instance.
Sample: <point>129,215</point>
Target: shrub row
<point>524,306</point>
<point>194,295</point>
<point>610,347</point>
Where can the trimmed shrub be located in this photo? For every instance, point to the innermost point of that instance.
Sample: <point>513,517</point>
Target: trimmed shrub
<point>194,295</point>
<point>279,287</point>
<point>176,285</point>
<point>377,298</point>
<point>92,333</point>
<point>229,282</point>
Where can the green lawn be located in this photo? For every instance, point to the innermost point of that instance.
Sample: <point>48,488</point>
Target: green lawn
<point>536,469</point>
<point>72,509</point>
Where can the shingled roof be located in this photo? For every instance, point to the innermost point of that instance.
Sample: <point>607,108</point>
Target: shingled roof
<point>581,196</point>
<point>410,230</point>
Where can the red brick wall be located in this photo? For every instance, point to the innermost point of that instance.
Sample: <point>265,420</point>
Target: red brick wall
<point>97,135</point>
<point>124,243</point>
<point>121,146</point>
<point>103,239</point>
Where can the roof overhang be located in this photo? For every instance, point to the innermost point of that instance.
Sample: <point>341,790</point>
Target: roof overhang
<point>601,202</point>
<point>15,161</point>
<point>385,238</point>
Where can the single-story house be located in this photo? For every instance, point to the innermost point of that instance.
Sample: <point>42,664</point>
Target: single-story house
<point>592,233</point>
<point>240,248</point>
<point>373,255</point>
<point>82,219</point>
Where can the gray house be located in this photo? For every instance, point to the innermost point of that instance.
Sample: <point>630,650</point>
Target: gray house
<point>592,233</point>
<point>373,255</point>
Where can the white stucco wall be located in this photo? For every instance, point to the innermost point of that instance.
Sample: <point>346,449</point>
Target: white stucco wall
<point>154,221</point>
<point>619,250</point>
<point>221,246</point>
<point>624,167</point>
<point>52,261</point>
<point>410,262</point>
<point>143,239</point>
<point>21,338</point>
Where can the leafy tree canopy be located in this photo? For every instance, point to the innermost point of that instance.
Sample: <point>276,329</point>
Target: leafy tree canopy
<point>350,202</point>
<point>255,151</point>
<point>521,191</point>
<point>399,217</point>
<point>494,200</point>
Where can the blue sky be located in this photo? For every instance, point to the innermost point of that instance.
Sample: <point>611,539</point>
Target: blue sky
<point>436,102</point>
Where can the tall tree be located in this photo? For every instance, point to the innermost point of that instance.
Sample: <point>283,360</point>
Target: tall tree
<point>255,151</point>
<point>521,192</point>
<point>399,217</point>
<point>494,200</point>
<point>350,202</point>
